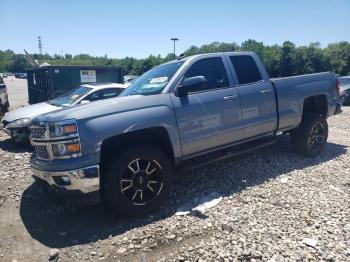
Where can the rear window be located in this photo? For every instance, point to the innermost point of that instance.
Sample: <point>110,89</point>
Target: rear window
<point>246,69</point>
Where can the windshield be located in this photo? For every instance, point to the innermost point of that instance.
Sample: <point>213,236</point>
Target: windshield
<point>70,97</point>
<point>153,81</point>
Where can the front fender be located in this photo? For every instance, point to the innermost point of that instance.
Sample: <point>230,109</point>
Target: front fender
<point>94,131</point>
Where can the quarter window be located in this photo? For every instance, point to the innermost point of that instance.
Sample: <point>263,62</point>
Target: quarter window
<point>246,69</point>
<point>212,69</point>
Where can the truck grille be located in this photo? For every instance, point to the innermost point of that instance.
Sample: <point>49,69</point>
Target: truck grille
<point>37,132</point>
<point>42,152</point>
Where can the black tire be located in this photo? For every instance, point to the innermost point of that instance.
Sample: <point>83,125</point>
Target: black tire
<point>311,136</point>
<point>153,166</point>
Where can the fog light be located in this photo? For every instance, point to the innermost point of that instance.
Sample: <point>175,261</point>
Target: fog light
<point>61,180</point>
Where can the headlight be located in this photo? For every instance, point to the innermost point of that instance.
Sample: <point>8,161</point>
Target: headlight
<point>66,149</point>
<point>24,122</point>
<point>63,129</point>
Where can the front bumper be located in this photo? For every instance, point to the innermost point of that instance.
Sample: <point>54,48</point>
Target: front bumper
<point>5,130</point>
<point>2,127</point>
<point>81,183</point>
<point>19,134</point>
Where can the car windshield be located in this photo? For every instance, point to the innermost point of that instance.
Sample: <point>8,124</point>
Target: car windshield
<point>153,81</point>
<point>70,97</point>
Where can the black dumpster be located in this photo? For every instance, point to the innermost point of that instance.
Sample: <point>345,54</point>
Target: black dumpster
<point>48,82</point>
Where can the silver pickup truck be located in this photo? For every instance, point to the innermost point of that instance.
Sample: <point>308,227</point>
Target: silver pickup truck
<point>193,110</point>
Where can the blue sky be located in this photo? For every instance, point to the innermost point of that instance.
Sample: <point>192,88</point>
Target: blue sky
<point>140,28</point>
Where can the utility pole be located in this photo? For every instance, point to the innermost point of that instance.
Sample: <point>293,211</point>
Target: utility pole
<point>174,39</point>
<point>40,45</point>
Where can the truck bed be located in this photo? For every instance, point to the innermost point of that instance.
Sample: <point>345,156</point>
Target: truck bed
<point>291,93</point>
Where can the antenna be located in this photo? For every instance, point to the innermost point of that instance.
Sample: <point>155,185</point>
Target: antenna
<point>40,45</point>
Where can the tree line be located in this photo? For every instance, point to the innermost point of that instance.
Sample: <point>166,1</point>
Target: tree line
<point>280,60</point>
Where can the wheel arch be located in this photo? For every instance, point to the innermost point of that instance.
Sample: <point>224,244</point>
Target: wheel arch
<point>316,104</point>
<point>156,136</point>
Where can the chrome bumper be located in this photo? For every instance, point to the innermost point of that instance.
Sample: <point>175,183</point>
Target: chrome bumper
<point>84,180</point>
<point>8,132</point>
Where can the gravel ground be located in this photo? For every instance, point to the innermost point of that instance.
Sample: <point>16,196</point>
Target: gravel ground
<point>277,206</point>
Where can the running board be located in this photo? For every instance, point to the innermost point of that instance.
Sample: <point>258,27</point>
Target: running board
<point>222,154</point>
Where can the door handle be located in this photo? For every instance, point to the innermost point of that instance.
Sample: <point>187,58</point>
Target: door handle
<point>265,91</point>
<point>230,98</point>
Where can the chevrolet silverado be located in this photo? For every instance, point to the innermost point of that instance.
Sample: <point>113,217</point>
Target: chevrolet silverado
<point>193,110</point>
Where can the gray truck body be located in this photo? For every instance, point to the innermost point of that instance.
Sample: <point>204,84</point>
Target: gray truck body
<point>194,124</point>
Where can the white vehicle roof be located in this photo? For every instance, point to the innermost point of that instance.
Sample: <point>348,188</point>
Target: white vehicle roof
<point>97,86</point>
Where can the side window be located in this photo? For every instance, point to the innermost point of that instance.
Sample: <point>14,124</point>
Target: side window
<point>93,96</point>
<point>246,69</point>
<point>212,69</point>
<point>111,92</point>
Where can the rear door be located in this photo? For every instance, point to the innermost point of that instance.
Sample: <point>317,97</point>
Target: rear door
<point>208,118</point>
<point>258,101</point>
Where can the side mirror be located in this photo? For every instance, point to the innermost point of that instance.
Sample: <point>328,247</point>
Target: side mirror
<point>191,84</point>
<point>82,102</point>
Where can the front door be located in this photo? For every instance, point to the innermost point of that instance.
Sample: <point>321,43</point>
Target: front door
<point>208,118</point>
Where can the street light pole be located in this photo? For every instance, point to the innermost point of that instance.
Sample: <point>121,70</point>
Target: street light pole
<point>174,39</point>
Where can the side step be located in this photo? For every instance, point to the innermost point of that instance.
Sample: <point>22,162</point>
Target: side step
<point>222,154</point>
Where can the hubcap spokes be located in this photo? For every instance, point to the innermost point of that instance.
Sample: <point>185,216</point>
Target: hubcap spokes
<point>142,181</point>
<point>316,138</point>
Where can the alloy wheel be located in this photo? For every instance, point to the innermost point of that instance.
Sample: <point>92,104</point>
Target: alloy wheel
<point>141,181</point>
<point>316,138</point>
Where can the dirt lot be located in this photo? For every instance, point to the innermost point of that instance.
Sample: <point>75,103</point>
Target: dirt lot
<point>277,206</point>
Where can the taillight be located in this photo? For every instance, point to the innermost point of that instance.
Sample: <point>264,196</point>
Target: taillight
<point>337,87</point>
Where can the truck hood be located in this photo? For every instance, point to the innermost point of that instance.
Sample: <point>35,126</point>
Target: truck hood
<point>99,108</point>
<point>29,111</point>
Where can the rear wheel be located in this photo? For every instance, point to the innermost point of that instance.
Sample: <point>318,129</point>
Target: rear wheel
<point>139,181</point>
<point>311,136</point>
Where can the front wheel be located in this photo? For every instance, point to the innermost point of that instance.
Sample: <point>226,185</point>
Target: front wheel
<point>311,136</point>
<point>139,181</point>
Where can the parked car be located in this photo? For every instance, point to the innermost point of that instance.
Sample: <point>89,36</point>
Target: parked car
<point>345,89</point>
<point>16,122</point>
<point>2,84</point>
<point>188,112</point>
<point>130,78</point>
<point>4,104</point>
<point>21,75</point>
